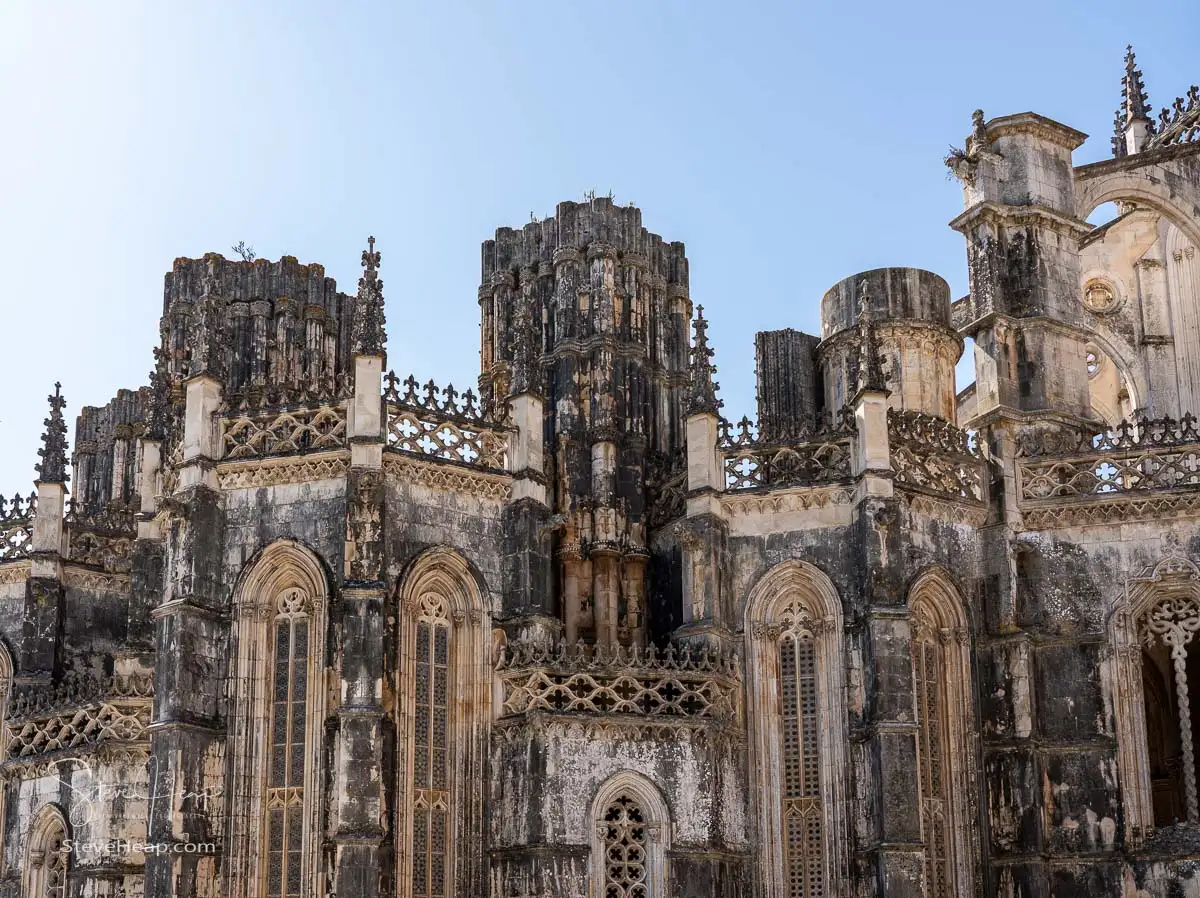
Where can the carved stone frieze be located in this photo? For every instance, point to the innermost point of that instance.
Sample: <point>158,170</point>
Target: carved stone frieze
<point>447,477</point>
<point>280,471</point>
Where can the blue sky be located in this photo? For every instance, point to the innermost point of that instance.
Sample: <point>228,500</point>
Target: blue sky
<point>788,145</point>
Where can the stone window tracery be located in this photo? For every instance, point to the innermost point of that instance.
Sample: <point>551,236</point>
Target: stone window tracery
<point>47,861</point>
<point>796,713</point>
<point>444,686</point>
<point>278,704</point>
<point>431,751</point>
<point>927,680</point>
<point>288,741</point>
<point>624,850</point>
<point>941,674</point>
<point>630,840</point>
<point>803,812</point>
<point>1172,622</point>
<point>1152,666</point>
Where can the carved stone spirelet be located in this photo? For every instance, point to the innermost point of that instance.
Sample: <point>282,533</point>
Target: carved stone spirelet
<point>702,389</point>
<point>369,336</point>
<point>53,466</point>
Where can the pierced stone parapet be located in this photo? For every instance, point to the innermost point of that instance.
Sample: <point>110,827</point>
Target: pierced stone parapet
<point>752,463</point>
<point>447,402</point>
<point>1142,432</point>
<point>445,424</point>
<point>16,526</point>
<point>287,431</point>
<point>79,714</point>
<point>1179,123</point>
<point>932,455</point>
<point>583,679</point>
<point>35,701</point>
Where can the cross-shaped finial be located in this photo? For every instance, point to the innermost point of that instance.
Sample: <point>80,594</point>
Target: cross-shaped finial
<point>370,258</point>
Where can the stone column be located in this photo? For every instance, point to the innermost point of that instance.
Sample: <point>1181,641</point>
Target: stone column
<point>528,592</point>
<point>191,634</point>
<point>361,734</point>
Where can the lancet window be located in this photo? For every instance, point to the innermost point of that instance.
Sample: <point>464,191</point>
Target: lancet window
<point>431,797</point>
<point>803,810</point>
<point>796,711</point>
<point>444,686</point>
<point>288,742</point>
<point>46,867</point>
<point>929,680</point>
<point>941,678</point>
<point>278,700</point>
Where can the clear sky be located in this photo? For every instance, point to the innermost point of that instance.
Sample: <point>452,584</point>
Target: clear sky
<point>788,145</point>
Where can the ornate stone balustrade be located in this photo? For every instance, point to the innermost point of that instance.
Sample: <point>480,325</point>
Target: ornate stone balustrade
<point>16,526</point>
<point>1137,469</point>
<point>80,713</point>
<point>751,463</point>
<point>932,455</point>
<point>444,424</point>
<point>644,683</point>
<point>283,431</point>
<point>1180,123</point>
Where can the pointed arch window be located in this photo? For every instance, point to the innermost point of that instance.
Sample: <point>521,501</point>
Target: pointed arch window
<point>288,742</point>
<point>941,677</point>
<point>796,711</point>
<point>431,799</point>
<point>803,808</point>
<point>278,703</point>
<point>632,835</point>
<point>444,685</point>
<point>47,861</point>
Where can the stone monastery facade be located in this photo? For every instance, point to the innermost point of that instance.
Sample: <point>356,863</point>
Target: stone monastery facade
<point>303,629</point>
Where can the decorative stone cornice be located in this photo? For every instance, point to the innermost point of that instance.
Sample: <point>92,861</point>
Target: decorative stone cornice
<point>254,473</point>
<point>448,477</point>
<point>795,499</point>
<point>957,511</point>
<point>14,572</point>
<point>1051,515</point>
<point>95,581</point>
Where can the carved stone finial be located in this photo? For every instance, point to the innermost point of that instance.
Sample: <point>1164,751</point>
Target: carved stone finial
<point>53,465</point>
<point>702,389</point>
<point>1135,102</point>
<point>368,334</point>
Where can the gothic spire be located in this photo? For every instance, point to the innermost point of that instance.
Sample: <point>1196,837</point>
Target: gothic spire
<point>1135,102</point>
<point>368,334</point>
<point>53,466</point>
<point>871,376</point>
<point>702,389</point>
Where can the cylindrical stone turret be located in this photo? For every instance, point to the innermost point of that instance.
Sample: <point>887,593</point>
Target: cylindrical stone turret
<point>910,310</point>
